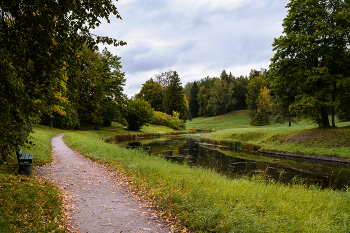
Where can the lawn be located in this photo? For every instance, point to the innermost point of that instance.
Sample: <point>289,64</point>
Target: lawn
<point>303,137</point>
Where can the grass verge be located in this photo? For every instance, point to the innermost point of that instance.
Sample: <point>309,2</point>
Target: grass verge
<point>28,204</point>
<point>204,201</point>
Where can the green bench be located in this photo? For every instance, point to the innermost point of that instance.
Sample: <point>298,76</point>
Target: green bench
<point>24,162</point>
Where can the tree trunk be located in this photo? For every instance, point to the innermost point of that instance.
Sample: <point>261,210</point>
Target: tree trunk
<point>333,100</point>
<point>290,120</point>
<point>324,118</point>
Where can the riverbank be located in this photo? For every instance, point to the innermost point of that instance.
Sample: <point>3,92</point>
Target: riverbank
<point>302,139</point>
<point>203,201</point>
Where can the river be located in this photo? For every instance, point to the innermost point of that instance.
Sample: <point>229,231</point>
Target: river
<point>188,150</point>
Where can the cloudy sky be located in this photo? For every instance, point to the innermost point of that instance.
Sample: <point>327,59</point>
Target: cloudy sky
<point>196,38</point>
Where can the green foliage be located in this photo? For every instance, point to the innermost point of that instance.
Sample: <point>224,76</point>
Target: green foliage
<point>165,94</point>
<point>111,112</point>
<point>67,119</point>
<point>193,102</point>
<point>95,86</point>
<point>174,99</point>
<point>312,60</point>
<point>37,38</point>
<point>153,93</point>
<point>258,101</point>
<point>261,115</point>
<point>218,96</point>
<point>173,121</point>
<point>342,107</point>
<point>138,112</point>
<point>254,88</point>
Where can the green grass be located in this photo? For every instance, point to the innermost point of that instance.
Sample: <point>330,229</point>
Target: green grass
<point>204,201</point>
<point>235,119</point>
<point>303,137</point>
<point>28,204</point>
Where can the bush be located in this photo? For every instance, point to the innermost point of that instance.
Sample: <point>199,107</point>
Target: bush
<point>138,112</point>
<point>173,122</point>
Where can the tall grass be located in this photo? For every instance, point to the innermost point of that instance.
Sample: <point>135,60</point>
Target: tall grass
<point>28,204</point>
<point>204,201</point>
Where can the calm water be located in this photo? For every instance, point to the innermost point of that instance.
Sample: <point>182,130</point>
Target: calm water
<point>237,164</point>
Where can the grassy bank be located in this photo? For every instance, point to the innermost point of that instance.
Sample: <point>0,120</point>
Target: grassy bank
<point>28,204</point>
<point>303,137</point>
<point>204,201</point>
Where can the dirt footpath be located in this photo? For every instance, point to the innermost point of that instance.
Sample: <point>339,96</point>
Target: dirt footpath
<point>99,201</point>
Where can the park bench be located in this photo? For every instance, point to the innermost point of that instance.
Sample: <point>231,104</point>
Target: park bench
<point>24,162</point>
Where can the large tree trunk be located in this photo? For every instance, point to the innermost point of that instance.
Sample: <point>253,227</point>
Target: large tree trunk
<point>333,100</point>
<point>324,117</point>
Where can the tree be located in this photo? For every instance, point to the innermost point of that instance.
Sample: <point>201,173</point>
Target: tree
<point>239,92</point>
<point>153,93</point>
<point>193,103</point>
<point>138,113</point>
<point>311,58</point>
<point>113,79</point>
<point>187,90</point>
<point>254,87</point>
<point>264,108</point>
<point>67,119</point>
<point>95,86</point>
<point>36,39</point>
<point>84,86</point>
<point>225,77</point>
<point>174,99</point>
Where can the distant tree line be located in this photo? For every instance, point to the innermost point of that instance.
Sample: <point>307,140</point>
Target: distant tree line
<point>217,95</point>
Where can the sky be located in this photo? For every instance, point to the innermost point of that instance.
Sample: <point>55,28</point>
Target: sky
<point>196,38</point>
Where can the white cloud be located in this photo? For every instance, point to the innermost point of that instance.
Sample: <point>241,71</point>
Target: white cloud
<point>195,38</point>
<point>209,4</point>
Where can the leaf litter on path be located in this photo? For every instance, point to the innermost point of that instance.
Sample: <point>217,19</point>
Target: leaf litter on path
<point>94,198</point>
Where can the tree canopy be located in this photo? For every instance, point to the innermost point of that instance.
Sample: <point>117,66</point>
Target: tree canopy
<point>310,68</point>
<point>153,93</point>
<point>37,38</point>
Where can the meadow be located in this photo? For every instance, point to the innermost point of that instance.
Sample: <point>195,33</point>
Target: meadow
<point>302,137</point>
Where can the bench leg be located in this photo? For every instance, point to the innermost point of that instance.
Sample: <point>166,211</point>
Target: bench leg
<point>25,168</point>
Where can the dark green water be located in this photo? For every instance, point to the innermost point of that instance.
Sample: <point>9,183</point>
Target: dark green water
<point>237,164</point>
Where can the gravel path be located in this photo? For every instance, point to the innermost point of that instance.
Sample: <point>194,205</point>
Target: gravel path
<point>99,200</point>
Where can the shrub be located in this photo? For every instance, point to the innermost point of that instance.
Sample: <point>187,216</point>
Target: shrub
<point>173,122</point>
<point>138,112</point>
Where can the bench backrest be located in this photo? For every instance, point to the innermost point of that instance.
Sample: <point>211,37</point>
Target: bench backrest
<point>19,153</point>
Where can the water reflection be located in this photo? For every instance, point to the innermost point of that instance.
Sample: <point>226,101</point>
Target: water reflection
<point>237,164</point>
